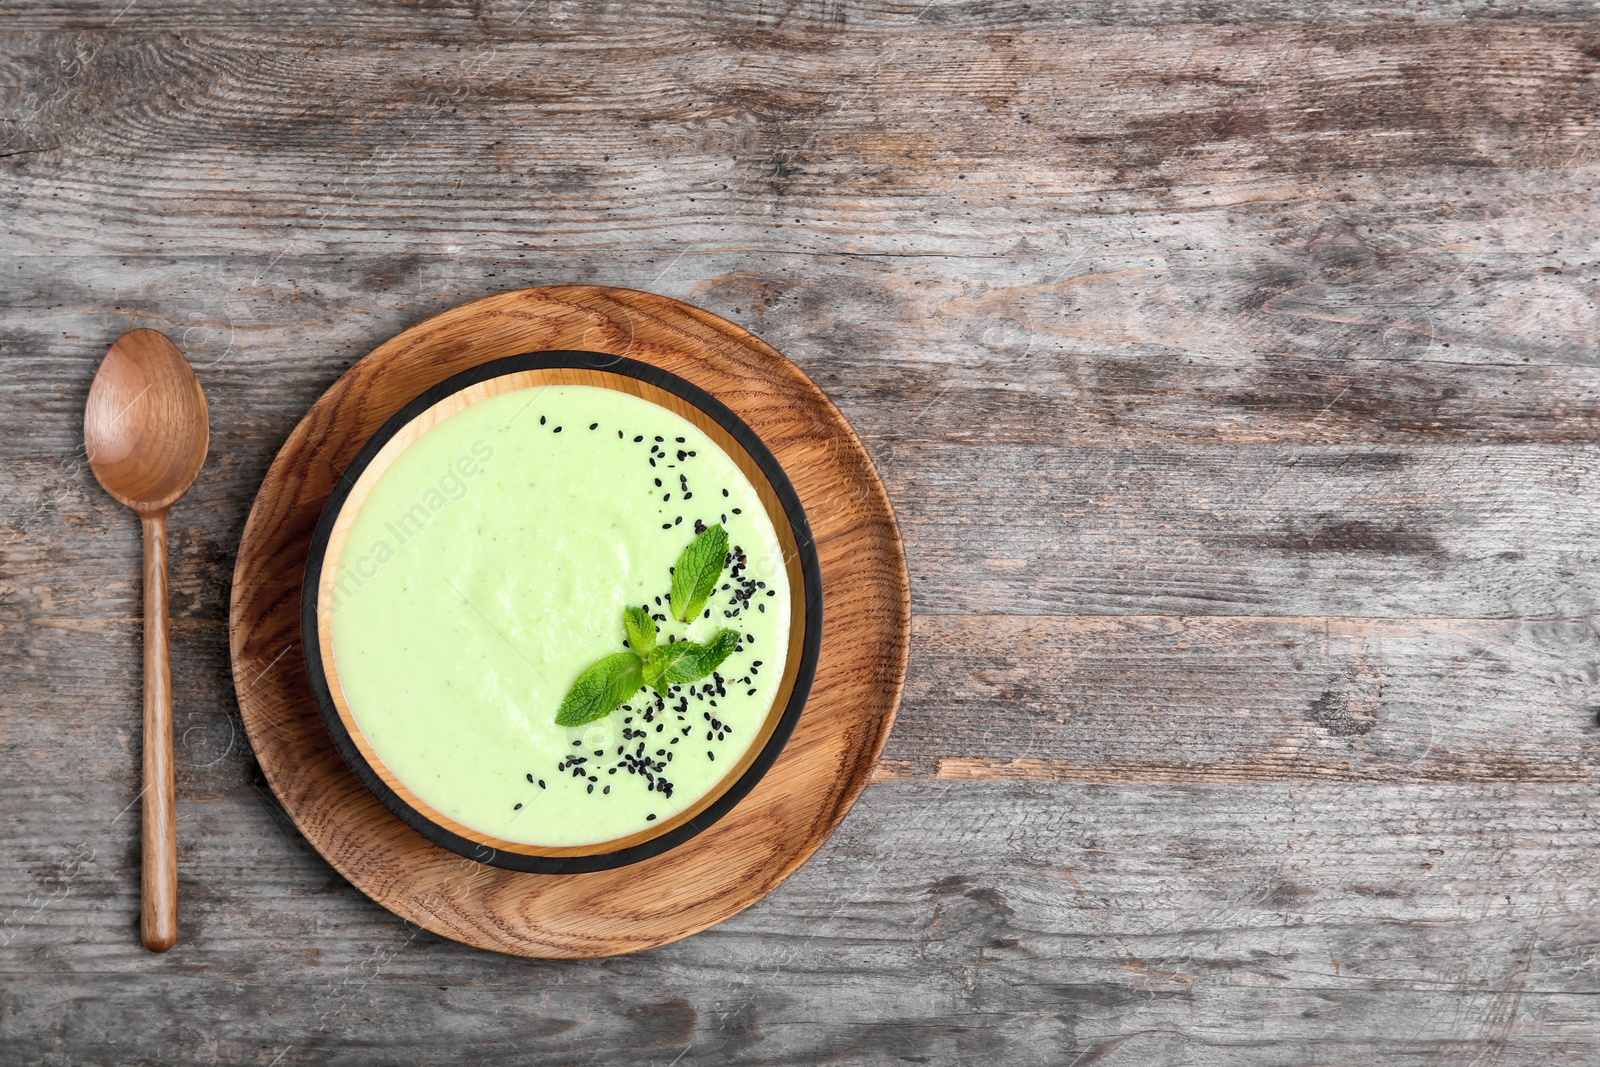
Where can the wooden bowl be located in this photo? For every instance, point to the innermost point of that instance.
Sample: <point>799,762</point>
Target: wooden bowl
<point>529,371</point>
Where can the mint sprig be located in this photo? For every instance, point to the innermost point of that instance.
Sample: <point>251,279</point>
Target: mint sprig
<point>603,688</point>
<point>694,579</point>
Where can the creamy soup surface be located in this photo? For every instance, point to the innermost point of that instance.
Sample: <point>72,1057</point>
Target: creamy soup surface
<point>491,564</point>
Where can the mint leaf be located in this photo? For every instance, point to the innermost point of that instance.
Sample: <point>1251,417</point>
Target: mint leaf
<point>663,658</point>
<point>706,658</point>
<point>600,689</point>
<point>687,661</point>
<point>694,579</point>
<point>641,630</point>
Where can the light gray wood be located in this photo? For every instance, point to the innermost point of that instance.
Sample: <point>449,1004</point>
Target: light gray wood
<point>576,18</point>
<point>1247,924</point>
<point>1175,515</point>
<point>1426,532</point>
<point>914,136</point>
<point>1234,376</point>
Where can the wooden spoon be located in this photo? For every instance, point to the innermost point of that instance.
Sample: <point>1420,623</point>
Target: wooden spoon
<point>146,431</point>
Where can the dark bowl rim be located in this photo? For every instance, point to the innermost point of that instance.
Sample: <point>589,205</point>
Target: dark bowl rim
<point>810,574</point>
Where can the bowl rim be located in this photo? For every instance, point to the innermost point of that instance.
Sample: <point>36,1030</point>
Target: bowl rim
<point>783,727</point>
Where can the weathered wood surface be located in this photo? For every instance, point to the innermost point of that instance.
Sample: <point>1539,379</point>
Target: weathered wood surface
<point>1026,923</point>
<point>1236,382</point>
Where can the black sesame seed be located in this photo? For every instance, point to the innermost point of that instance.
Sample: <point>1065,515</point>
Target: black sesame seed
<point>639,438</point>
<point>557,430</point>
<point>530,777</point>
<point>650,818</point>
<point>678,439</point>
<point>724,492</point>
<point>517,808</point>
<point>541,420</point>
<point>659,440</point>
<point>737,511</point>
<point>594,426</point>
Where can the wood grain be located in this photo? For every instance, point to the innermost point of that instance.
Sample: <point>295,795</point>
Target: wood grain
<point>781,139</point>
<point>1321,273</point>
<point>158,822</point>
<point>1252,924</point>
<point>791,810</point>
<point>1238,699</point>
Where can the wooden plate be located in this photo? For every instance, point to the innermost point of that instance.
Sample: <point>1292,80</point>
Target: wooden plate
<point>790,812</point>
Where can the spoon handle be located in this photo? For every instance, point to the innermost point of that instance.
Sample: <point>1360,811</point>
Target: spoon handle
<point>159,908</point>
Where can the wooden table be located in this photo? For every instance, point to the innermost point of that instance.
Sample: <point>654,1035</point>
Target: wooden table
<point>1236,383</point>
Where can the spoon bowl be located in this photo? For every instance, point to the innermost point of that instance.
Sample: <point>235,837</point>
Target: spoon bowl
<point>146,427</point>
<point>146,431</point>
